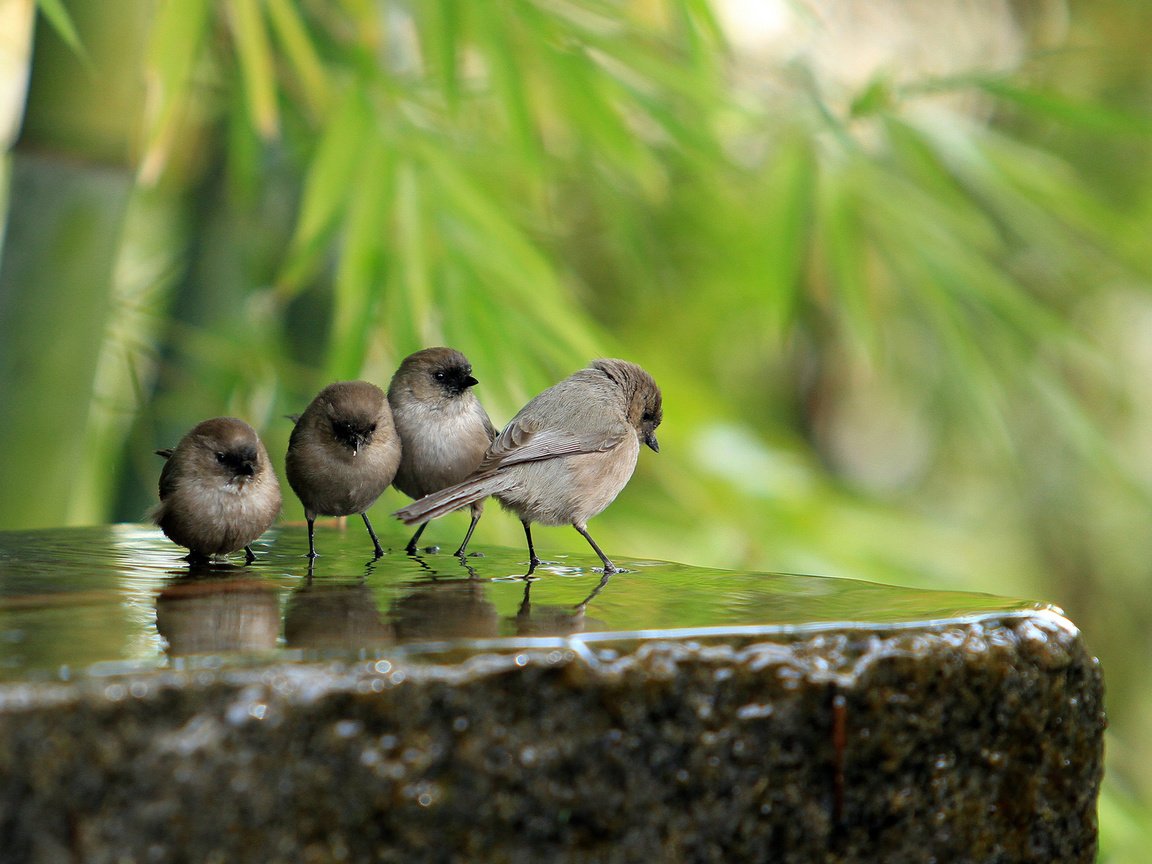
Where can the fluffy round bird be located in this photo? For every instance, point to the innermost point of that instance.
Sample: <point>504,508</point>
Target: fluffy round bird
<point>566,455</point>
<point>343,454</point>
<point>444,430</point>
<point>218,491</point>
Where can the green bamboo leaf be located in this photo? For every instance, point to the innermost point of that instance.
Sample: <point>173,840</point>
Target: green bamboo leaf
<point>257,67</point>
<point>700,18</point>
<point>442,32</point>
<point>619,89</point>
<point>506,52</point>
<point>478,233</point>
<point>790,182</point>
<point>412,252</point>
<point>330,177</point>
<point>1058,203</point>
<point>937,167</point>
<point>471,205</point>
<point>177,37</point>
<point>582,91</point>
<point>928,291</point>
<point>360,267</point>
<point>301,54</point>
<point>1094,116</point>
<point>846,250</point>
<point>61,21</point>
<point>877,98</point>
<point>961,259</point>
<point>245,152</point>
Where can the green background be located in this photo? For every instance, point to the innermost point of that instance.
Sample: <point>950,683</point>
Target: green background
<point>890,263</point>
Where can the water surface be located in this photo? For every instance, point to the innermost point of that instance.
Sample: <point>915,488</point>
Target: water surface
<point>90,601</point>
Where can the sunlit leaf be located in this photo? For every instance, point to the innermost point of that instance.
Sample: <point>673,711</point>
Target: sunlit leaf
<point>256,64</point>
<point>301,54</point>
<point>177,38</point>
<point>498,40</point>
<point>787,221</point>
<point>1095,116</point>
<point>442,35</point>
<point>359,274</point>
<point>846,251</point>
<point>57,15</point>
<point>412,248</point>
<point>328,180</point>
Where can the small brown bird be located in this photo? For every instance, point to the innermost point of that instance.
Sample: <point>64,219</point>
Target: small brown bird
<point>342,454</point>
<point>218,491</point>
<point>444,430</point>
<point>566,455</point>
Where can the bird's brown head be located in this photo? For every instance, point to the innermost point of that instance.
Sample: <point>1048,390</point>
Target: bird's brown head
<point>354,411</point>
<point>644,400</point>
<point>228,447</point>
<point>433,374</point>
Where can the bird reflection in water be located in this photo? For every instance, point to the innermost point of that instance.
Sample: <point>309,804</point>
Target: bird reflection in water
<point>335,615</point>
<point>435,608</point>
<point>209,612</point>
<point>556,620</point>
<point>223,610</point>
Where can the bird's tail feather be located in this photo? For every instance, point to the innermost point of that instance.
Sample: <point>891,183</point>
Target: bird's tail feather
<point>451,498</point>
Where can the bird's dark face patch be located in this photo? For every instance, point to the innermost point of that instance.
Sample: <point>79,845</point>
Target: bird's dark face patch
<point>453,378</point>
<point>238,461</point>
<point>353,434</point>
<point>650,418</point>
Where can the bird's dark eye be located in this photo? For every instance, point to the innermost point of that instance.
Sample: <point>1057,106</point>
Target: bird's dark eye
<point>372,428</point>
<point>438,375</point>
<point>220,456</point>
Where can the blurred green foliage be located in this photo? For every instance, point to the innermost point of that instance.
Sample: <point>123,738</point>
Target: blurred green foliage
<point>901,315</point>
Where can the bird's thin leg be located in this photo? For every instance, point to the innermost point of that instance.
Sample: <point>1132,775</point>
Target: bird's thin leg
<point>249,555</point>
<point>471,527</point>
<point>411,547</point>
<point>532,559</point>
<point>311,537</point>
<point>372,534</point>
<point>609,567</point>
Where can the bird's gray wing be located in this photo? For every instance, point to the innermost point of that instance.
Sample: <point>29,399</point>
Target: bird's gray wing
<point>523,441</point>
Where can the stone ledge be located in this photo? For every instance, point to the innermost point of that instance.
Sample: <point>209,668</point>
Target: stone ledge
<point>967,742</point>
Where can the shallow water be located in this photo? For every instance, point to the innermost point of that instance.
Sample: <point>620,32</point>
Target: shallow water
<point>91,601</point>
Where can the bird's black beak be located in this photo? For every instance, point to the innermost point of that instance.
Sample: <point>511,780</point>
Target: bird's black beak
<point>242,463</point>
<point>457,384</point>
<point>362,440</point>
<point>650,440</point>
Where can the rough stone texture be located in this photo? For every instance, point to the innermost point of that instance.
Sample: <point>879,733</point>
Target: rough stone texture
<point>973,742</point>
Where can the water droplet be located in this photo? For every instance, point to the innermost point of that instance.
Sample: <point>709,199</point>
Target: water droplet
<point>348,728</point>
<point>753,711</point>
